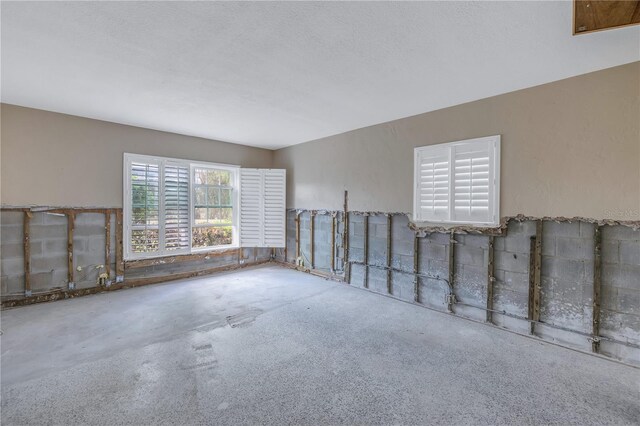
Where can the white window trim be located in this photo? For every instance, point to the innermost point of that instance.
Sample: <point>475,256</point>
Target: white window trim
<point>128,159</point>
<point>495,164</point>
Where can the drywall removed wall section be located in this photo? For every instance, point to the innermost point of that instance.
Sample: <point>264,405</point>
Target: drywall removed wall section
<point>67,255</point>
<point>569,148</point>
<point>575,283</point>
<point>51,159</point>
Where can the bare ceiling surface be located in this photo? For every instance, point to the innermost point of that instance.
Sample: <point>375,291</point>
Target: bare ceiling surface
<point>278,74</point>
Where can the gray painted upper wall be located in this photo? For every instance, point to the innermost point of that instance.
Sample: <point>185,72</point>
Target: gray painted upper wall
<point>569,148</point>
<point>56,159</point>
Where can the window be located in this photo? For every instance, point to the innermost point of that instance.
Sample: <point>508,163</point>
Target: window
<point>213,223</point>
<point>176,206</point>
<point>458,182</point>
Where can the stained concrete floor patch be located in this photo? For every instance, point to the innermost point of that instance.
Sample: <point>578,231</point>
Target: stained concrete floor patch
<point>269,345</point>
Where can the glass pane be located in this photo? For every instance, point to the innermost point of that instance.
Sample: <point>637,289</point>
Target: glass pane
<point>144,240</point>
<point>209,237</point>
<point>214,196</point>
<point>220,215</point>
<point>200,216</point>
<point>225,197</point>
<point>200,176</point>
<point>200,196</point>
<point>219,177</point>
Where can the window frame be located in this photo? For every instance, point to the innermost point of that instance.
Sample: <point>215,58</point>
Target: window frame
<point>130,158</point>
<point>235,193</point>
<point>494,200</point>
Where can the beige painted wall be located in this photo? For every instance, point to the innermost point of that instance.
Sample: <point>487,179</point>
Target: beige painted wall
<point>569,148</point>
<point>62,160</point>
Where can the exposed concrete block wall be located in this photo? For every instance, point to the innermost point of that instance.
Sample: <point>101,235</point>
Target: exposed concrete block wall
<point>620,317</point>
<point>49,254</point>
<point>11,252</point>
<point>566,278</point>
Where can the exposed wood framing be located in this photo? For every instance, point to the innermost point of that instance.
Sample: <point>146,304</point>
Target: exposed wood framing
<point>119,246</point>
<point>452,270</point>
<point>312,232</point>
<point>70,227</point>
<point>107,244</point>
<point>389,224</point>
<point>286,240</point>
<point>535,264</point>
<point>346,266</point>
<point>333,244</point>
<point>365,238</point>
<point>490,279</point>
<point>416,265</point>
<point>67,294</point>
<point>597,287</point>
<point>26,228</point>
<point>297,237</point>
<point>143,263</point>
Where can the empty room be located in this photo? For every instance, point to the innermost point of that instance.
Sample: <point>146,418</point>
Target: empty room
<point>320,213</point>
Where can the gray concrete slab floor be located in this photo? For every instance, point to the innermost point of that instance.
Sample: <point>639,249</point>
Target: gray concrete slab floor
<point>269,345</point>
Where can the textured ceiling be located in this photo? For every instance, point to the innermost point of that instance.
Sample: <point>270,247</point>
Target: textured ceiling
<point>277,74</point>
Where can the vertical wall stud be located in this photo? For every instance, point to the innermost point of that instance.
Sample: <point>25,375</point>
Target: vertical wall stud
<point>286,239</point>
<point>597,287</point>
<point>346,265</point>
<point>119,247</point>
<point>389,223</point>
<point>312,239</point>
<point>26,228</point>
<point>70,227</point>
<point>366,251</point>
<point>452,270</point>
<point>107,244</point>
<point>333,244</point>
<point>297,238</point>
<point>416,265</point>
<point>490,280</point>
<point>535,263</point>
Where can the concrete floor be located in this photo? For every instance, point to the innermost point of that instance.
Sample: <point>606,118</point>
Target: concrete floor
<point>271,345</point>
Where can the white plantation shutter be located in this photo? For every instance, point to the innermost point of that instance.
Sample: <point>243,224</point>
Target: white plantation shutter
<point>432,180</point>
<point>458,182</point>
<point>274,207</point>
<point>262,207</point>
<point>251,211</point>
<point>176,207</point>
<point>471,182</point>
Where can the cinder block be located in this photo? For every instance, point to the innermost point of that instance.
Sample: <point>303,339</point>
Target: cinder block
<point>469,255</point>
<point>11,234</point>
<point>48,263</point>
<point>11,218</point>
<point>437,268</point>
<point>575,248</point>
<point>587,230</point>
<point>630,252</point>
<point>10,250</point>
<point>45,232</point>
<point>564,269</point>
<point>480,241</point>
<point>561,229</point>
<point>620,233</point>
<point>629,301</point>
<point>438,238</point>
<point>512,262</point>
<point>610,251</point>
<point>431,250</point>
<point>609,297</point>
<point>623,276</point>
<point>516,281</point>
<point>11,266</point>
<point>402,247</point>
